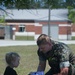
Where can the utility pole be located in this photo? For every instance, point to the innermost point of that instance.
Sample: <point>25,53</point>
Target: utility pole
<point>49,22</point>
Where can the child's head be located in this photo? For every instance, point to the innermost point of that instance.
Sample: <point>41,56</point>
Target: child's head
<point>12,59</point>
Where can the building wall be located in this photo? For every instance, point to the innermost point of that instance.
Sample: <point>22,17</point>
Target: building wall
<point>2,32</point>
<point>17,27</point>
<point>35,29</point>
<point>38,29</point>
<point>73,30</point>
<point>73,27</point>
<point>30,28</point>
<point>65,31</point>
<point>54,22</point>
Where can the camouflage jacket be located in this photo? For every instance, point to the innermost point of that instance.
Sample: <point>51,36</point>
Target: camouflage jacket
<point>60,53</point>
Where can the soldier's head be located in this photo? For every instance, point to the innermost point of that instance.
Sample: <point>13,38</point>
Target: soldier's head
<point>44,43</point>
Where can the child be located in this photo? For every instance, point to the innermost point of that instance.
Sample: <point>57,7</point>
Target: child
<point>12,60</point>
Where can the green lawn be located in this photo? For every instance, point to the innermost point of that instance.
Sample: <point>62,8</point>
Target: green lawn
<point>29,58</point>
<point>24,37</point>
<point>73,38</point>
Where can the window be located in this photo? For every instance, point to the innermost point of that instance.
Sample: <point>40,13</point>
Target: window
<point>21,28</point>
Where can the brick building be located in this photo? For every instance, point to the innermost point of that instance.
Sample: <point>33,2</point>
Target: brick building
<point>34,22</point>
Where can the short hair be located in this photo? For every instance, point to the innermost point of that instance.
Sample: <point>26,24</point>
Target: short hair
<point>9,57</point>
<point>43,39</point>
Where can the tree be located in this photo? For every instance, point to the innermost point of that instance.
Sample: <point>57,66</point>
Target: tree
<point>70,3</point>
<point>71,14</point>
<point>2,17</point>
<point>53,3</point>
<point>28,4</point>
<point>19,4</point>
<point>32,4</point>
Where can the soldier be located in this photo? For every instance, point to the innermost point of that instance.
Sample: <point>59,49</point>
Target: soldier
<point>59,56</point>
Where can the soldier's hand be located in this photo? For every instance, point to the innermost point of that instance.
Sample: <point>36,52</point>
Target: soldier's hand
<point>32,73</point>
<point>64,71</point>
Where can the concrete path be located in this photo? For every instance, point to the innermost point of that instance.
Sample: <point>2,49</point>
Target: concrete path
<point>69,42</point>
<point>17,43</point>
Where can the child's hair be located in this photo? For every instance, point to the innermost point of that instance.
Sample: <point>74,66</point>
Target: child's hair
<point>9,57</point>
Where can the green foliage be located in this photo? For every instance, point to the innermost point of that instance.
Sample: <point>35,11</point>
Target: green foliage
<point>53,3</point>
<point>32,4</point>
<point>70,3</point>
<point>20,4</point>
<point>28,4</point>
<point>71,14</point>
<point>2,19</point>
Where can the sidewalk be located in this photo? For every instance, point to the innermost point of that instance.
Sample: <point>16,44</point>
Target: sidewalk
<point>69,41</point>
<point>18,43</point>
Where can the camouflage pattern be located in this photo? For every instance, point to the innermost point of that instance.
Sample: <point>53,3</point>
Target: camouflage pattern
<point>60,53</point>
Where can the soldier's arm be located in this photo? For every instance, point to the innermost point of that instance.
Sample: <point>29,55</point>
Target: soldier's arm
<point>41,66</point>
<point>72,58</point>
<point>64,60</point>
<point>42,61</point>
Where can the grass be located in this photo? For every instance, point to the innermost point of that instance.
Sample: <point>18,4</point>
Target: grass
<point>73,38</point>
<point>30,38</point>
<point>29,58</point>
<point>24,38</point>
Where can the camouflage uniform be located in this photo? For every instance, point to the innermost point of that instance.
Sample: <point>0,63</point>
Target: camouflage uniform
<point>60,53</point>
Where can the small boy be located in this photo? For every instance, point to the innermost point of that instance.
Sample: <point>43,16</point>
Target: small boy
<point>12,60</point>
